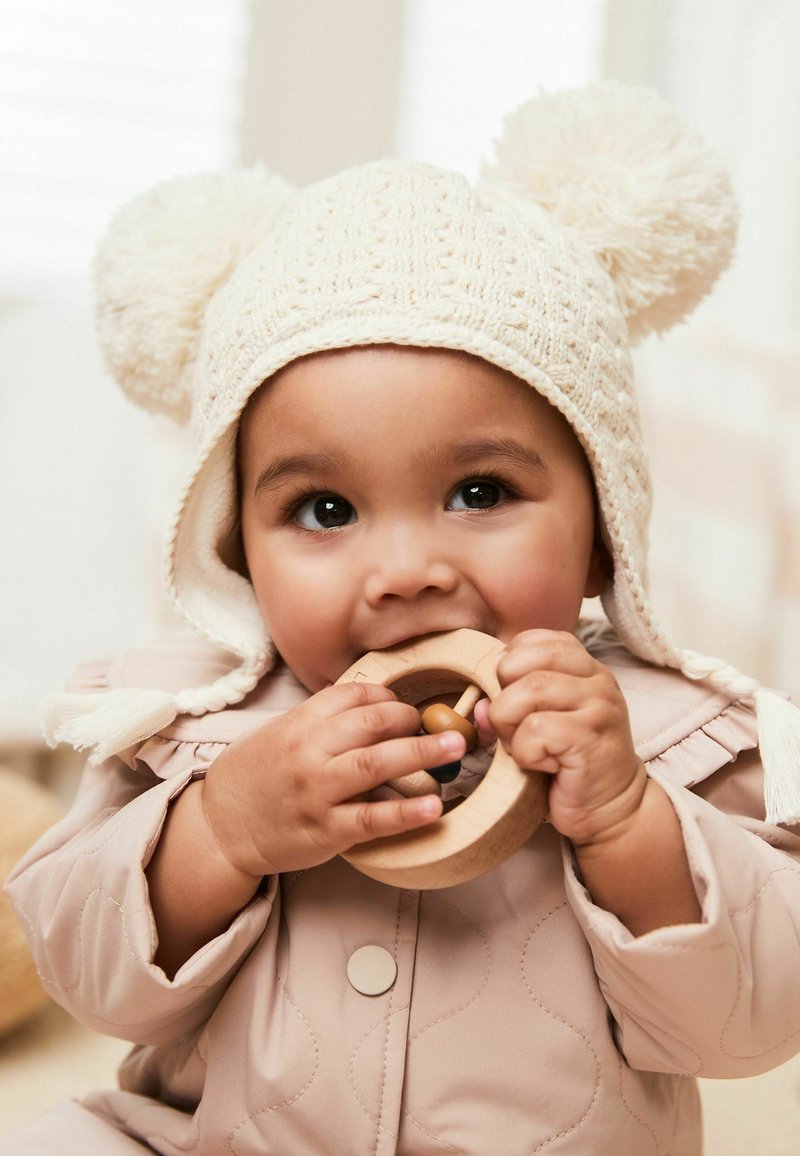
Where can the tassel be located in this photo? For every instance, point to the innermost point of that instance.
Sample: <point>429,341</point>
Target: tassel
<point>109,721</point>
<point>779,740</point>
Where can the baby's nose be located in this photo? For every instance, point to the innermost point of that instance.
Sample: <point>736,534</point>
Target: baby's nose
<point>406,564</point>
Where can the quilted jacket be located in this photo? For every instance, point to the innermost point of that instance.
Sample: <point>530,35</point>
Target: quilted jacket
<point>522,1019</point>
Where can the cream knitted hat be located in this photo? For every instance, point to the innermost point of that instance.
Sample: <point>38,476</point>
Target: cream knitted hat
<point>604,217</point>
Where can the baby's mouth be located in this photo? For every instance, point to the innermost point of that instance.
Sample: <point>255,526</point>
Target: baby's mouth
<point>406,638</point>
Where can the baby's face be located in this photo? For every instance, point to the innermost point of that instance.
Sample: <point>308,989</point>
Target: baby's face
<point>388,493</point>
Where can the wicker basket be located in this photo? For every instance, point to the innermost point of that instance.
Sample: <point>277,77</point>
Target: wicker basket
<point>27,809</point>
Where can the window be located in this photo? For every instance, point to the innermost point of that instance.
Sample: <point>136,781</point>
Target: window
<point>467,64</point>
<point>98,101</point>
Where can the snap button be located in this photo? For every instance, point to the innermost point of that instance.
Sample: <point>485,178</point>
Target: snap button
<point>371,970</point>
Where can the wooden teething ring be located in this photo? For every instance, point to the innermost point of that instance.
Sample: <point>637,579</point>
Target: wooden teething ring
<point>503,811</point>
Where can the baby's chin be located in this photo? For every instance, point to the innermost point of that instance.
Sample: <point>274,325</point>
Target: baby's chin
<point>317,680</point>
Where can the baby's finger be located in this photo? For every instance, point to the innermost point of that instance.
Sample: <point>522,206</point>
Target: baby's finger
<point>368,767</point>
<point>533,693</point>
<point>483,724</point>
<point>353,823</point>
<point>342,696</point>
<point>365,725</point>
<point>543,650</point>
<point>542,742</point>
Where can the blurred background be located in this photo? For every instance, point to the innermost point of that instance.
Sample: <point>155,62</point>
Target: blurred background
<point>99,100</point>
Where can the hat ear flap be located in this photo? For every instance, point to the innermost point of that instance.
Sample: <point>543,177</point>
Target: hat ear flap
<point>620,166</point>
<point>160,262</point>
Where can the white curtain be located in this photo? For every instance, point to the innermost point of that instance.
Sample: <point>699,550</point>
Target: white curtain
<point>99,102</point>
<point>721,395</point>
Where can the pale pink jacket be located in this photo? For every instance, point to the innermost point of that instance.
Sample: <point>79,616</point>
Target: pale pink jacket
<point>524,1019</point>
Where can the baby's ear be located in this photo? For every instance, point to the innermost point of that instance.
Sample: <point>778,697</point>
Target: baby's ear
<point>159,264</point>
<point>600,574</point>
<point>620,167</point>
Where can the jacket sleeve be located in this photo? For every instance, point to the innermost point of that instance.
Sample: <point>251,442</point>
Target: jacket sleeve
<point>719,998</point>
<point>81,894</point>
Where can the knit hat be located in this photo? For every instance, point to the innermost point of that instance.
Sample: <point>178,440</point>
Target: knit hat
<point>604,217</point>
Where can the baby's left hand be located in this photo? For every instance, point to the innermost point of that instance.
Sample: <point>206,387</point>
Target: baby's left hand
<point>562,712</point>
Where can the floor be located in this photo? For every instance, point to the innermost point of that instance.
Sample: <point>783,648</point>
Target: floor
<point>53,1057</point>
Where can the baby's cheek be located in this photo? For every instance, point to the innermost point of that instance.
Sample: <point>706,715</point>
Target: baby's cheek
<point>540,588</point>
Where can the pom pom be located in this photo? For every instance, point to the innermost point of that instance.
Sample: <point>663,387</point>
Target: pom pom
<point>623,169</point>
<point>161,261</point>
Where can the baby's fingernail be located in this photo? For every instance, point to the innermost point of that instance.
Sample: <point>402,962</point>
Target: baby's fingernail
<point>451,742</point>
<point>428,806</point>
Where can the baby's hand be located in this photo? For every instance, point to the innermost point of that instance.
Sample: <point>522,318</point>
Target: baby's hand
<point>562,712</point>
<point>290,794</point>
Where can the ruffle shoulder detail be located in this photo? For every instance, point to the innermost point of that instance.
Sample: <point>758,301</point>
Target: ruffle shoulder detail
<point>709,748</point>
<point>682,729</point>
<point>170,758</point>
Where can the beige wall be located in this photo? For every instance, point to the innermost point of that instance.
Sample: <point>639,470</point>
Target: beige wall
<point>322,84</point>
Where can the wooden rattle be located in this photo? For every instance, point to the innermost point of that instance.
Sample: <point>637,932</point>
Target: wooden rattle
<point>435,719</point>
<point>502,812</point>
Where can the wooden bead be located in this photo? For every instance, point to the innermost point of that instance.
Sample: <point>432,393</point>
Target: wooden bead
<point>438,717</point>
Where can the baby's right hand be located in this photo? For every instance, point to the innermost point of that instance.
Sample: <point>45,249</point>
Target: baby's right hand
<point>290,795</point>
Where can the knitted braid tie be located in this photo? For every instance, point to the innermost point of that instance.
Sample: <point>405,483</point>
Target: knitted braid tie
<point>113,720</point>
<point>718,674</point>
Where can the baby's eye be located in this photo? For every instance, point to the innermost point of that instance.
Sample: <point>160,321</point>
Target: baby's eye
<point>477,494</point>
<point>324,512</point>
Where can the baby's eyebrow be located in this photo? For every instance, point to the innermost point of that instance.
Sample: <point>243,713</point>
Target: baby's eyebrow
<point>504,448</point>
<point>283,468</point>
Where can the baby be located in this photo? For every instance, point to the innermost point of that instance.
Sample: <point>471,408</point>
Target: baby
<point>414,410</point>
